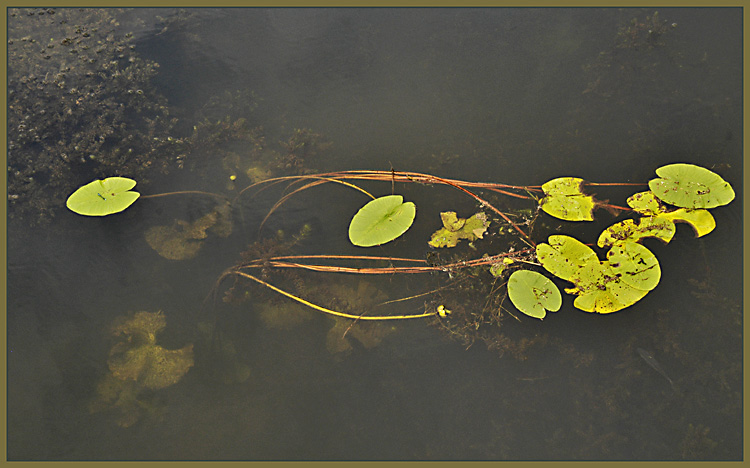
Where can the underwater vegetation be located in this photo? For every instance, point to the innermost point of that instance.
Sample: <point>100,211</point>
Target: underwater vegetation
<point>81,104</point>
<point>138,365</point>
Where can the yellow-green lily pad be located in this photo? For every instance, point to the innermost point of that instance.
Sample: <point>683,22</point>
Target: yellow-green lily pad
<point>533,294</point>
<point>659,222</point>
<point>563,255</point>
<point>690,186</point>
<point>650,226</point>
<point>103,197</point>
<point>381,220</point>
<point>564,199</point>
<point>631,270</point>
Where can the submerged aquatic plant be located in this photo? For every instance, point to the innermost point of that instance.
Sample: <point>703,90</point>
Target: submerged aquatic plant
<point>136,364</point>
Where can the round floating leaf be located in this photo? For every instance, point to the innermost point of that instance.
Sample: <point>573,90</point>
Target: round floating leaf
<point>565,200</point>
<point>381,220</point>
<point>533,293</point>
<point>690,186</point>
<point>564,255</point>
<point>634,265</point>
<point>103,197</point>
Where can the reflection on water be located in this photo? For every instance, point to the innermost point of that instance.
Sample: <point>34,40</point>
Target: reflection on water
<point>518,96</point>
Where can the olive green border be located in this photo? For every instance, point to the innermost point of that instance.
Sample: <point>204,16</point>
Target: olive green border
<point>355,3</point>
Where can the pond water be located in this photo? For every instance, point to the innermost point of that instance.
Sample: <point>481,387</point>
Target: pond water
<point>509,95</point>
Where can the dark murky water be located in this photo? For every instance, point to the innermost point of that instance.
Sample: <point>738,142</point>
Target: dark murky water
<point>518,96</point>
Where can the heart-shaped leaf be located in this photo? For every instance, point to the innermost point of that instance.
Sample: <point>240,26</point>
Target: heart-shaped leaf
<point>381,220</point>
<point>533,293</point>
<point>103,197</point>
<point>690,186</point>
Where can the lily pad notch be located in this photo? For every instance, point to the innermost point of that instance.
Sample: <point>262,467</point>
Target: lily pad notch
<point>103,197</point>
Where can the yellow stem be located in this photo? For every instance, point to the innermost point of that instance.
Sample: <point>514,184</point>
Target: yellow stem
<point>329,311</point>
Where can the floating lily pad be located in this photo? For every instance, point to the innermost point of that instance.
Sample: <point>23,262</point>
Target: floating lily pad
<point>381,220</point>
<point>596,294</point>
<point>563,256</point>
<point>651,226</point>
<point>631,270</point>
<point>690,186</point>
<point>702,221</point>
<point>533,294</point>
<point>103,197</point>
<point>564,199</point>
<point>454,229</point>
<point>660,223</point>
<point>634,265</point>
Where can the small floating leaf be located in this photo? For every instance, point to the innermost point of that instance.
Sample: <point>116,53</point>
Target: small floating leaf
<point>454,229</point>
<point>533,293</point>
<point>565,200</point>
<point>690,186</point>
<point>381,220</point>
<point>451,221</point>
<point>103,197</point>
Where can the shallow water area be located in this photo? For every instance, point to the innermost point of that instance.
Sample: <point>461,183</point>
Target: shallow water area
<point>509,95</point>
